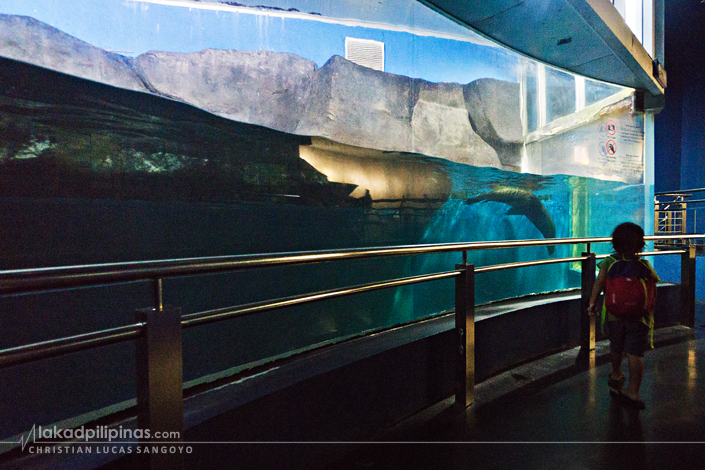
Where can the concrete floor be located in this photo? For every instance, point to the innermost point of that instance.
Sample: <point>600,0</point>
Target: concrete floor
<point>550,415</point>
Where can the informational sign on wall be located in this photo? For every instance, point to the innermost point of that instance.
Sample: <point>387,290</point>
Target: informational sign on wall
<point>621,144</point>
<point>607,145</point>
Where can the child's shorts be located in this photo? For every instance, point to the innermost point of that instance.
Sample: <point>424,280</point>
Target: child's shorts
<point>630,335</point>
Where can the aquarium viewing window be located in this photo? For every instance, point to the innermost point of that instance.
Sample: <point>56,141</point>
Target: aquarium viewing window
<point>253,127</point>
<point>253,105</point>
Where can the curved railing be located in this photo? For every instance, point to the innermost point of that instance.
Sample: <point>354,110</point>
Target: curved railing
<point>676,213</point>
<point>159,329</point>
<point>42,279</point>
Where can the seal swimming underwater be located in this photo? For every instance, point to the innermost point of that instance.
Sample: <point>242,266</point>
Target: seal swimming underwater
<point>524,203</point>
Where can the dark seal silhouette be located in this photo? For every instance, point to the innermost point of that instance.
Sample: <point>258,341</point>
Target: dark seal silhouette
<point>524,203</point>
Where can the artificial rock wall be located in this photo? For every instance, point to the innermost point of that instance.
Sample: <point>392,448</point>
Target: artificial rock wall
<point>477,124</point>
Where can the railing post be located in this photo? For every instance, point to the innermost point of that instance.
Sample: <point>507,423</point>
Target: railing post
<point>586,356</point>
<point>688,287</point>
<point>160,382</point>
<point>465,334</point>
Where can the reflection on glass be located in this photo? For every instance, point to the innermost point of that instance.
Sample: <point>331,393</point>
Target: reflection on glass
<point>531,94</point>
<point>596,91</point>
<point>560,94</point>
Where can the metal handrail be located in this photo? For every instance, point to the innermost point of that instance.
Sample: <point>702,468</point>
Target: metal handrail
<point>31,280</point>
<point>58,347</point>
<point>39,279</point>
<point>681,191</point>
<point>211,316</point>
<point>651,253</point>
<point>688,201</point>
<point>522,264</point>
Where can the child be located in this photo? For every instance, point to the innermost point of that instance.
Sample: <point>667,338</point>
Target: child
<point>629,333</point>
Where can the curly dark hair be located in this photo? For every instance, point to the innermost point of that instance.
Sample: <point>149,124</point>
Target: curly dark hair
<point>628,238</point>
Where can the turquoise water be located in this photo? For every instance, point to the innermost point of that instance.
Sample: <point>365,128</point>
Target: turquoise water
<point>578,207</point>
<point>77,187</point>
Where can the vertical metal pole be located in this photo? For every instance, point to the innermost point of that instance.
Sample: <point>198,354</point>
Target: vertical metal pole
<point>688,287</point>
<point>465,334</point>
<point>659,31</point>
<point>586,356</point>
<point>684,220</point>
<point>160,383</point>
<point>158,294</point>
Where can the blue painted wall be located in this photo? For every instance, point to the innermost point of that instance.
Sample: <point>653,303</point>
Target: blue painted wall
<point>680,127</point>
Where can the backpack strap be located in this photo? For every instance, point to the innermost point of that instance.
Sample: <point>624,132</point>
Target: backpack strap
<point>653,278</point>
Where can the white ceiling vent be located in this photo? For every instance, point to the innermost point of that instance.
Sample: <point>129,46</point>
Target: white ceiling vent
<point>365,52</point>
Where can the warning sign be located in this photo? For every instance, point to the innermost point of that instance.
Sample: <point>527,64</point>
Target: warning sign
<point>619,147</point>
<point>611,127</point>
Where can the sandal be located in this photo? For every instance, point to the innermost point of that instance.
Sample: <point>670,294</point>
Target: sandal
<point>616,383</point>
<point>638,404</point>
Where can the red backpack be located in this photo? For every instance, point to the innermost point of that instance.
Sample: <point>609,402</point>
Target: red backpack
<point>630,289</point>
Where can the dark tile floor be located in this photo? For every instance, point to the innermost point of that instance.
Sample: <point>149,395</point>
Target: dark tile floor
<point>550,415</point>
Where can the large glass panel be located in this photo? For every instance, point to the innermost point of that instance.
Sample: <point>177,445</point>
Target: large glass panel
<point>135,130</point>
<point>597,91</point>
<point>533,92</point>
<point>560,94</point>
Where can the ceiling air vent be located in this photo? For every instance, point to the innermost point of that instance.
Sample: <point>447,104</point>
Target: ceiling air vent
<point>365,52</point>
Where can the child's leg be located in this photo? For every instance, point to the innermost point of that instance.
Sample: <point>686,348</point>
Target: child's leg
<point>616,333</point>
<point>636,372</point>
<point>616,360</point>
<point>635,346</point>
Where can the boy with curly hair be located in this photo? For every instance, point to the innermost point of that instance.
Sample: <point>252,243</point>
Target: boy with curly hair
<point>630,333</point>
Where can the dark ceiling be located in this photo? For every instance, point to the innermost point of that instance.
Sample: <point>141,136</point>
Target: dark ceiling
<point>587,37</point>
